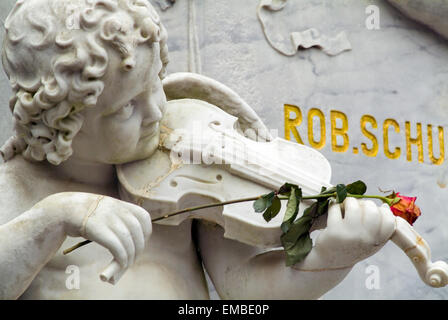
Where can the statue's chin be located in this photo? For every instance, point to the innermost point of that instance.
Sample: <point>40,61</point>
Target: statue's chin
<point>145,149</point>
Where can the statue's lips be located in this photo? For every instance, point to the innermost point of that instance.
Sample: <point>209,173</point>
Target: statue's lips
<point>149,130</point>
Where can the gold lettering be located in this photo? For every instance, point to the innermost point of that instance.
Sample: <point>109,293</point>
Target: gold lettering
<point>374,150</point>
<point>291,124</point>
<point>387,123</point>
<point>436,161</point>
<point>319,114</point>
<point>417,141</point>
<point>334,115</point>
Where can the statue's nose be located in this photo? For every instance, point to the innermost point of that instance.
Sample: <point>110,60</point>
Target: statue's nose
<point>149,121</point>
<point>155,101</point>
<point>152,112</point>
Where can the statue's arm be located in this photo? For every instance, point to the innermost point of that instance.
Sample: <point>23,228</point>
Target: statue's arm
<point>30,240</point>
<point>240,271</point>
<point>354,231</point>
<point>27,243</point>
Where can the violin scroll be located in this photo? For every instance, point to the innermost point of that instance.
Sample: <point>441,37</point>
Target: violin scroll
<point>434,274</point>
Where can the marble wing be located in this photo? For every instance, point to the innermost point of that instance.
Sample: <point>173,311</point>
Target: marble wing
<point>185,85</point>
<point>432,13</point>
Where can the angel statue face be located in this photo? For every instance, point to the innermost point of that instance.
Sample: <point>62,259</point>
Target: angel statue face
<point>86,80</point>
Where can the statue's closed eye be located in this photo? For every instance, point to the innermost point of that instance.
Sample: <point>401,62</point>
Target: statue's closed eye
<point>125,112</point>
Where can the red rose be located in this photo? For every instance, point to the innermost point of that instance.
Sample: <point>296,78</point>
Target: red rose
<point>406,208</point>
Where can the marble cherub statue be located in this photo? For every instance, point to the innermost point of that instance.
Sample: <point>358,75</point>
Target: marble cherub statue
<point>90,97</point>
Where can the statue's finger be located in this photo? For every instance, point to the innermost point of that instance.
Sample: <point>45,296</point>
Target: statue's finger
<point>136,231</point>
<point>388,224</point>
<point>102,235</point>
<point>334,215</point>
<point>372,217</point>
<point>122,232</point>
<point>353,213</point>
<point>112,273</point>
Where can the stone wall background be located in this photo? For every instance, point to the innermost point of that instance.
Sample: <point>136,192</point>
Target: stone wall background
<point>398,72</point>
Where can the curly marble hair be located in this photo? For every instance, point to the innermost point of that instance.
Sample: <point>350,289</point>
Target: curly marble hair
<point>54,53</point>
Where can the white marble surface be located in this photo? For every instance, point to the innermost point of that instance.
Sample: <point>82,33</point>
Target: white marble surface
<point>399,72</point>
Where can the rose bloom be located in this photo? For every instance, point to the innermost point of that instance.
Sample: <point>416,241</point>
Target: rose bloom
<point>406,208</point>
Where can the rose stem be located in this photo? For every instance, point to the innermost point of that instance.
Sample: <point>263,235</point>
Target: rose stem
<point>219,204</point>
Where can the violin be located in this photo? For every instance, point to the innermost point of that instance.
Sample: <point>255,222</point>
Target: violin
<point>204,157</point>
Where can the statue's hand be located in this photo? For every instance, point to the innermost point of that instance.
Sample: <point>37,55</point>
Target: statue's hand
<point>121,227</point>
<point>355,230</point>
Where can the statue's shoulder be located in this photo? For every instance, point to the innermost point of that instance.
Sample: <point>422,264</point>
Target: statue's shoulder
<point>19,186</point>
<point>20,170</point>
<point>13,171</point>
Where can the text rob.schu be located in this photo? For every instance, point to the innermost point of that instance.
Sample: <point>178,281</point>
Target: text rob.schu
<point>394,138</point>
